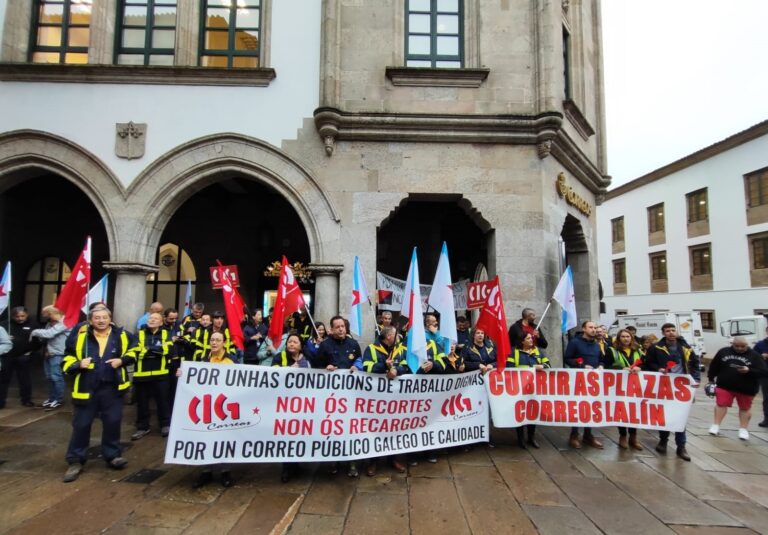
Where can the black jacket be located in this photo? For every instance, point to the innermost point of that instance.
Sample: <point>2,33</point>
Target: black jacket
<point>20,337</point>
<point>516,335</point>
<point>723,370</point>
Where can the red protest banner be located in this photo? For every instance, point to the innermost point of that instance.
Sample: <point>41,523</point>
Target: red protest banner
<point>229,271</point>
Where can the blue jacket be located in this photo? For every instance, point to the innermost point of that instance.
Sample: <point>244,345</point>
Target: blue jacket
<point>586,350</point>
<point>475,356</point>
<point>341,353</point>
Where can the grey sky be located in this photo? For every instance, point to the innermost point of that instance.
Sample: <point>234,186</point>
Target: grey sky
<point>680,75</point>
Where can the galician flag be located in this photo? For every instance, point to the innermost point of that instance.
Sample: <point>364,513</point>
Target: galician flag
<point>5,288</point>
<point>441,299</point>
<point>97,293</point>
<point>188,300</point>
<point>565,296</point>
<point>72,296</point>
<point>359,296</point>
<point>417,341</point>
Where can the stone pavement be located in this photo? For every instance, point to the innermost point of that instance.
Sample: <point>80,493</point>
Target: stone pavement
<point>484,490</point>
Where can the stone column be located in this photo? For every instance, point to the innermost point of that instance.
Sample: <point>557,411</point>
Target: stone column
<point>326,290</point>
<point>130,291</point>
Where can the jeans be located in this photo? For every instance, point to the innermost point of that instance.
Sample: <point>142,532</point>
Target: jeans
<point>52,369</point>
<point>680,437</point>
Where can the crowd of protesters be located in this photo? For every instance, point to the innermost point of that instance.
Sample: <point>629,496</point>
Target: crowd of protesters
<point>97,355</point>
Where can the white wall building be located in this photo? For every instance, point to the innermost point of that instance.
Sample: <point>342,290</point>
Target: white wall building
<point>692,235</point>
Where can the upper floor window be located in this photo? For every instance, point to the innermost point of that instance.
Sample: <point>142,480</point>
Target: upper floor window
<point>757,188</point>
<point>701,261</point>
<point>230,33</point>
<point>617,229</point>
<point>146,32</point>
<point>434,34</point>
<point>658,266</point>
<point>620,271</point>
<point>759,244</point>
<point>697,205</point>
<point>61,31</point>
<point>656,218</point>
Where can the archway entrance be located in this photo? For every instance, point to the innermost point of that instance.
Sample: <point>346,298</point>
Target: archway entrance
<point>44,221</point>
<point>237,221</point>
<point>575,253</point>
<point>425,222</point>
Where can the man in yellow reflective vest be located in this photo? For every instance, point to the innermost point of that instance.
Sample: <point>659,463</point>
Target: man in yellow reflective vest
<point>97,359</point>
<point>151,377</point>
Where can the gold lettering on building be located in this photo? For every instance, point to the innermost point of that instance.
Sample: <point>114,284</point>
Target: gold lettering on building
<point>571,197</point>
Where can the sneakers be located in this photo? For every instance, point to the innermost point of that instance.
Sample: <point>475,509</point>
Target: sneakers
<point>140,433</point>
<point>352,472</point>
<point>73,472</point>
<point>46,403</point>
<point>743,434</point>
<point>53,405</point>
<point>118,463</point>
<point>714,430</point>
<point>165,431</point>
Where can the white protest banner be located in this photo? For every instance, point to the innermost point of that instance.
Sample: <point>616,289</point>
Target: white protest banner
<point>394,289</point>
<point>246,414</point>
<point>590,398</point>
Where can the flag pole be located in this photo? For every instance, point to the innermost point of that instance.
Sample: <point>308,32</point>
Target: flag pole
<point>311,320</point>
<point>544,314</point>
<point>375,320</point>
<point>8,308</point>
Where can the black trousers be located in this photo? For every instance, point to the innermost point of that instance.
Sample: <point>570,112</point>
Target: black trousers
<point>146,390</point>
<point>20,367</point>
<point>764,388</point>
<point>107,404</point>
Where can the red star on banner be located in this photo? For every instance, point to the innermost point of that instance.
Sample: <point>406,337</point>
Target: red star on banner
<point>255,410</point>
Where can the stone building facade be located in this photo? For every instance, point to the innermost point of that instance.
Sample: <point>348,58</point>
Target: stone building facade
<point>333,134</point>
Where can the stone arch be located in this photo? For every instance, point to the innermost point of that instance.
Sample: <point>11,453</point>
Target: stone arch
<point>174,177</point>
<point>25,154</point>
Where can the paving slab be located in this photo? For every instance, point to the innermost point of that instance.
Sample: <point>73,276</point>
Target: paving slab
<point>711,530</point>
<point>624,516</point>
<point>390,482</point>
<point>266,511</point>
<point>693,479</point>
<point>305,524</point>
<point>653,491</point>
<point>560,520</point>
<point>224,514</point>
<point>748,513</point>
<point>552,460</point>
<point>753,486</point>
<point>434,507</point>
<point>583,465</point>
<point>378,514</point>
<point>441,468</point>
<point>128,529</point>
<point>747,463</point>
<point>530,484</point>
<point>329,497</point>
<point>91,508</point>
<point>477,455</point>
<point>488,504</point>
<point>31,496</point>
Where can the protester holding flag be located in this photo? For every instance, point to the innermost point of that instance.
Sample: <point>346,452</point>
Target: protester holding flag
<point>584,353</point>
<point>172,324</point>
<point>527,355</point>
<point>191,321</point>
<point>55,334</point>
<point>18,361</point>
<point>454,362</point>
<point>301,324</point>
<point>625,355</point>
<point>312,347</point>
<point>383,357</point>
<point>98,361</point>
<point>527,325</point>
<point>74,294</point>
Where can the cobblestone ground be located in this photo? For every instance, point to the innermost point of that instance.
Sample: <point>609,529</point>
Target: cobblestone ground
<point>484,490</point>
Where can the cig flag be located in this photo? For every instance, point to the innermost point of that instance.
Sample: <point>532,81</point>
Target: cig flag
<point>289,300</point>
<point>72,296</point>
<point>359,296</point>
<point>565,296</point>
<point>417,341</point>
<point>233,307</point>
<point>493,321</point>
<point>441,298</point>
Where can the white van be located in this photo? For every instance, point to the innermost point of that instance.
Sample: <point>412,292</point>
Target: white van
<point>750,327</point>
<point>688,326</point>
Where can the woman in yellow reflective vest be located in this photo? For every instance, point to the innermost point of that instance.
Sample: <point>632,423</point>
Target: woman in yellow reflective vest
<point>293,357</point>
<point>527,355</point>
<point>626,355</point>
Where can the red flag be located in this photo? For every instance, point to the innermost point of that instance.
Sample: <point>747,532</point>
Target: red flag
<point>289,300</point>
<point>73,295</point>
<point>493,321</point>
<point>233,307</point>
